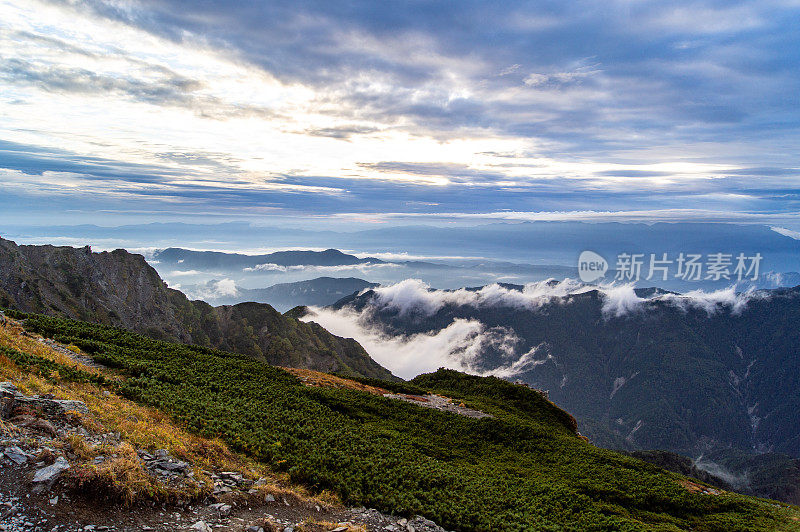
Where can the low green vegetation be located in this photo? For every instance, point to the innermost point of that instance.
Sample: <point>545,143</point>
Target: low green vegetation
<point>523,469</point>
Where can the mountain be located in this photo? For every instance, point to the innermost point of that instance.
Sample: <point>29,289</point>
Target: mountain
<point>714,377</point>
<point>319,292</point>
<point>639,370</point>
<point>119,288</point>
<point>473,454</point>
<point>186,258</point>
<point>555,243</point>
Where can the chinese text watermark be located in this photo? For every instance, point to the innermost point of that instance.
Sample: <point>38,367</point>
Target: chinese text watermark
<point>632,267</point>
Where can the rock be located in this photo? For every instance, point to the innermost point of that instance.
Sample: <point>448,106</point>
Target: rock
<point>340,529</point>
<point>201,526</point>
<point>223,509</point>
<point>176,466</point>
<point>9,388</point>
<point>44,478</point>
<point>255,529</point>
<point>16,455</point>
<point>269,498</point>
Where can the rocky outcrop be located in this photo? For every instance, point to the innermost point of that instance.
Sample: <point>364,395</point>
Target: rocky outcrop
<point>119,288</point>
<point>40,475</point>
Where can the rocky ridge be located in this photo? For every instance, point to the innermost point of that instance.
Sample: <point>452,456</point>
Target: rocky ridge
<point>121,289</point>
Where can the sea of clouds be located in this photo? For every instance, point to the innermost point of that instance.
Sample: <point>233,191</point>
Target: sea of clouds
<point>460,344</point>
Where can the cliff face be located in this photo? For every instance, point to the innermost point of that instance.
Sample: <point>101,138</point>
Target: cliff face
<point>120,288</point>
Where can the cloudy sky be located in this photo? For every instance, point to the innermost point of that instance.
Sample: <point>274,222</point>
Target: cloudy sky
<point>123,111</point>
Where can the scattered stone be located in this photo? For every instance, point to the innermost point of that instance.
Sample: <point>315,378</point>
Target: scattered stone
<point>223,509</point>
<point>16,455</point>
<point>201,526</point>
<point>437,402</point>
<point>44,478</point>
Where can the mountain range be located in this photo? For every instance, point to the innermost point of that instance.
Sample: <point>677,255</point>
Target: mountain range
<point>665,373</point>
<point>716,379</point>
<point>321,291</point>
<point>187,258</point>
<point>121,289</point>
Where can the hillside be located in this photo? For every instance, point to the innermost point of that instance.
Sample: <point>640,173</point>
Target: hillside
<point>650,370</point>
<point>120,288</point>
<point>523,467</point>
<point>77,456</point>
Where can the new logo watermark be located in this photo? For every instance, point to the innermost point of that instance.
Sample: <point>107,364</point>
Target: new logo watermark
<point>591,266</point>
<point>632,267</point>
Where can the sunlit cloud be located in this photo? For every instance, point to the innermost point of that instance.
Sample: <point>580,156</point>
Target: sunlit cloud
<point>630,111</point>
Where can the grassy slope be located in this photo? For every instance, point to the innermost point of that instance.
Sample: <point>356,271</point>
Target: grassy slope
<point>37,369</point>
<point>525,469</point>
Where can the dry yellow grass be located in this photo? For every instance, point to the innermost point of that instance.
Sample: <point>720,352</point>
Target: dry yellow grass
<point>138,426</point>
<point>317,378</point>
<point>312,525</point>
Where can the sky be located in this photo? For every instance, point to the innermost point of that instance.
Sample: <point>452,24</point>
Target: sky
<point>128,111</point>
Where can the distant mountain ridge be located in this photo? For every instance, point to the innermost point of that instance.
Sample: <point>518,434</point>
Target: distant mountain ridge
<point>320,292</point>
<point>120,288</point>
<point>216,259</point>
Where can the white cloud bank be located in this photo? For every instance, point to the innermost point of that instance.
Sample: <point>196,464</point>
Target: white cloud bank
<point>457,346</point>
<point>461,344</point>
<point>363,268</point>
<point>413,296</point>
<point>213,290</point>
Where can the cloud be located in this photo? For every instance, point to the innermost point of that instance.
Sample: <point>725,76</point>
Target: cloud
<point>184,273</point>
<point>532,107</point>
<point>713,302</point>
<point>787,232</point>
<point>457,346</point>
<point>560,79</point>
<point>272,267</point>
<point>215,289</point>
<point>464,343</point>
<point>364,268</point>
<point>413,297</point>
<point>620,300</point>
<point>738,482</point>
